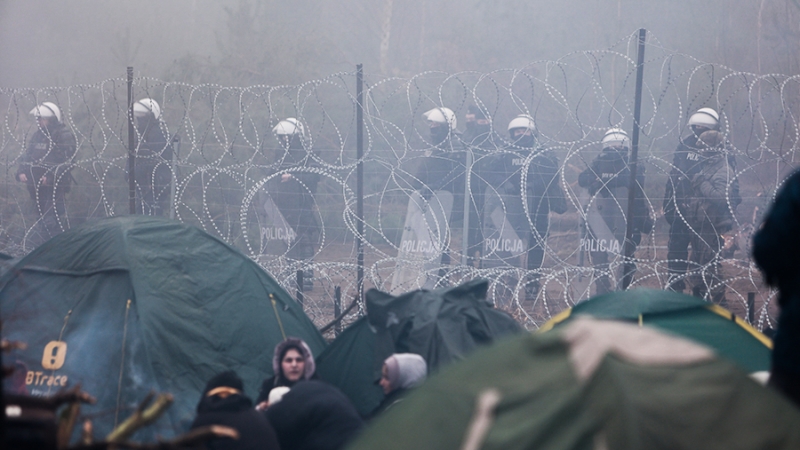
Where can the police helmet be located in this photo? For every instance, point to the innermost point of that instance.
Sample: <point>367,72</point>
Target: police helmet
<point>441,116</point>
<point>289,127</point>
<point>706,118</point>
<point>46,109</point>
<point>146,106</point>
<point>616,137</point>
<point>522,121</point>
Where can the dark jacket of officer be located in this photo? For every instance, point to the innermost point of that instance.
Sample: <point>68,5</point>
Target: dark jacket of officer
<point>610,170</point>
<point>297,156</point>
<point>49,150</point>
<point>443,169</point>
<point>715,191</point>
<point>678,191</point>
<point>504,171</point>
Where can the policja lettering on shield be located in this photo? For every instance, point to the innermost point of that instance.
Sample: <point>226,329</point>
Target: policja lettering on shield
<point>601,245</point>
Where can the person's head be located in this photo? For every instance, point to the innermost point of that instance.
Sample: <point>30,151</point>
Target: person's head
<point>228,379</point>
<point>777,243</point>
<point>617,139</point>
<point>292,362</point>
<point>703,120</point>
<point>290,133</point>
<point>477,120</point>
<point>522,131</point>
<point>441,122</point>
<point>47,114</point>
<point>146,109</point>
<point>402,371</point>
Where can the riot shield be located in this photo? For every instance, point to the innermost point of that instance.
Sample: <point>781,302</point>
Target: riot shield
<point>425,236</point>
<point>275,234</point>
<point>504,244</point>
<point>605,234</point>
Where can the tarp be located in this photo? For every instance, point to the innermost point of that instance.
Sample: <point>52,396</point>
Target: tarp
<point>442,326</point>
<point>684,315</point>
<point>590,385</point>
<point>132,304</point>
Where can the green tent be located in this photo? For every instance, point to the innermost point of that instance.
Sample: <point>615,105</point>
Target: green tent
<point>129,304</point>
<point>589,385</point>
<point>442,326</point>
<point>684,315</point>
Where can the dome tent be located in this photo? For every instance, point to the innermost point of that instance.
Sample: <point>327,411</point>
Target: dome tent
<point>131,304</point>
<point>680,314</point>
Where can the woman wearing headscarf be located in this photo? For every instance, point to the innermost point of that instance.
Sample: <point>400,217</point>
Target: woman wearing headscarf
<point>291,362</point>
<point>401,372</point>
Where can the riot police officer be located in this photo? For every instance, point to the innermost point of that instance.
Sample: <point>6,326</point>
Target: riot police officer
<point>524,204</point>
<point>711,207</point>
<point>444,168</point>
<point>678,191</point>
<point>153,171</point>
<point>45,170</point>
<point>293,189</point>
<point>608,179</point>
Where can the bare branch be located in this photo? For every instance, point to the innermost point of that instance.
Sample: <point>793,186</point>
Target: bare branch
<point>141,418</point>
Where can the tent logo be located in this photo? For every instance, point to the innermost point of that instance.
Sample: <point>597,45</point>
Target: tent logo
<point>54,354</point>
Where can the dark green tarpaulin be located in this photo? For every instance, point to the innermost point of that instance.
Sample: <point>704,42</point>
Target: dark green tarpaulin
<point>442,326</point>
<point>125,305</point>
<point>680,314</point>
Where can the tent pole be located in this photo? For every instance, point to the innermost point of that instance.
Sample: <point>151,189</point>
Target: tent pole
<point>360,180</point>
<point>131,144</point>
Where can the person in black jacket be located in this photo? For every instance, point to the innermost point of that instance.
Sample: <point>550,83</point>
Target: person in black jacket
<point>224,403</point>
<point>314,415</point>
<point>608,179</point>
<point>678,191</point>
<point>153,170</point>
<point>775,248</point>
<point>45,169</point>
<point>711,208</point>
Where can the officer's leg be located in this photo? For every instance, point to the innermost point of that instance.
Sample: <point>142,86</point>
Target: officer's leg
<point>474,236</point>
<point>536,245</point>
<point>301,217</point>
<point>678,253</point>
<point>713,273</point>
<point>161,194</point>
<point>600,265</point>
<point>52,205</point>
<point>144,187</point>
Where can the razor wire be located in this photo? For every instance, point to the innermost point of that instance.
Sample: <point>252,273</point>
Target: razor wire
<point>226,172</point>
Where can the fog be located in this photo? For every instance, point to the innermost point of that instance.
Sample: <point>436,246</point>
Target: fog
<point>242,42</point>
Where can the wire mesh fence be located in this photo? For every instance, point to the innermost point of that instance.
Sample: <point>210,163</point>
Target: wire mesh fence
<point>440,208</point>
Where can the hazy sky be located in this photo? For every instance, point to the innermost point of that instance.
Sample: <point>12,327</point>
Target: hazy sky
<point>45,42</point>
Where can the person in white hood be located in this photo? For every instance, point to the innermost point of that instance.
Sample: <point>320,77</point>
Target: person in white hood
<point>400,373</point>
